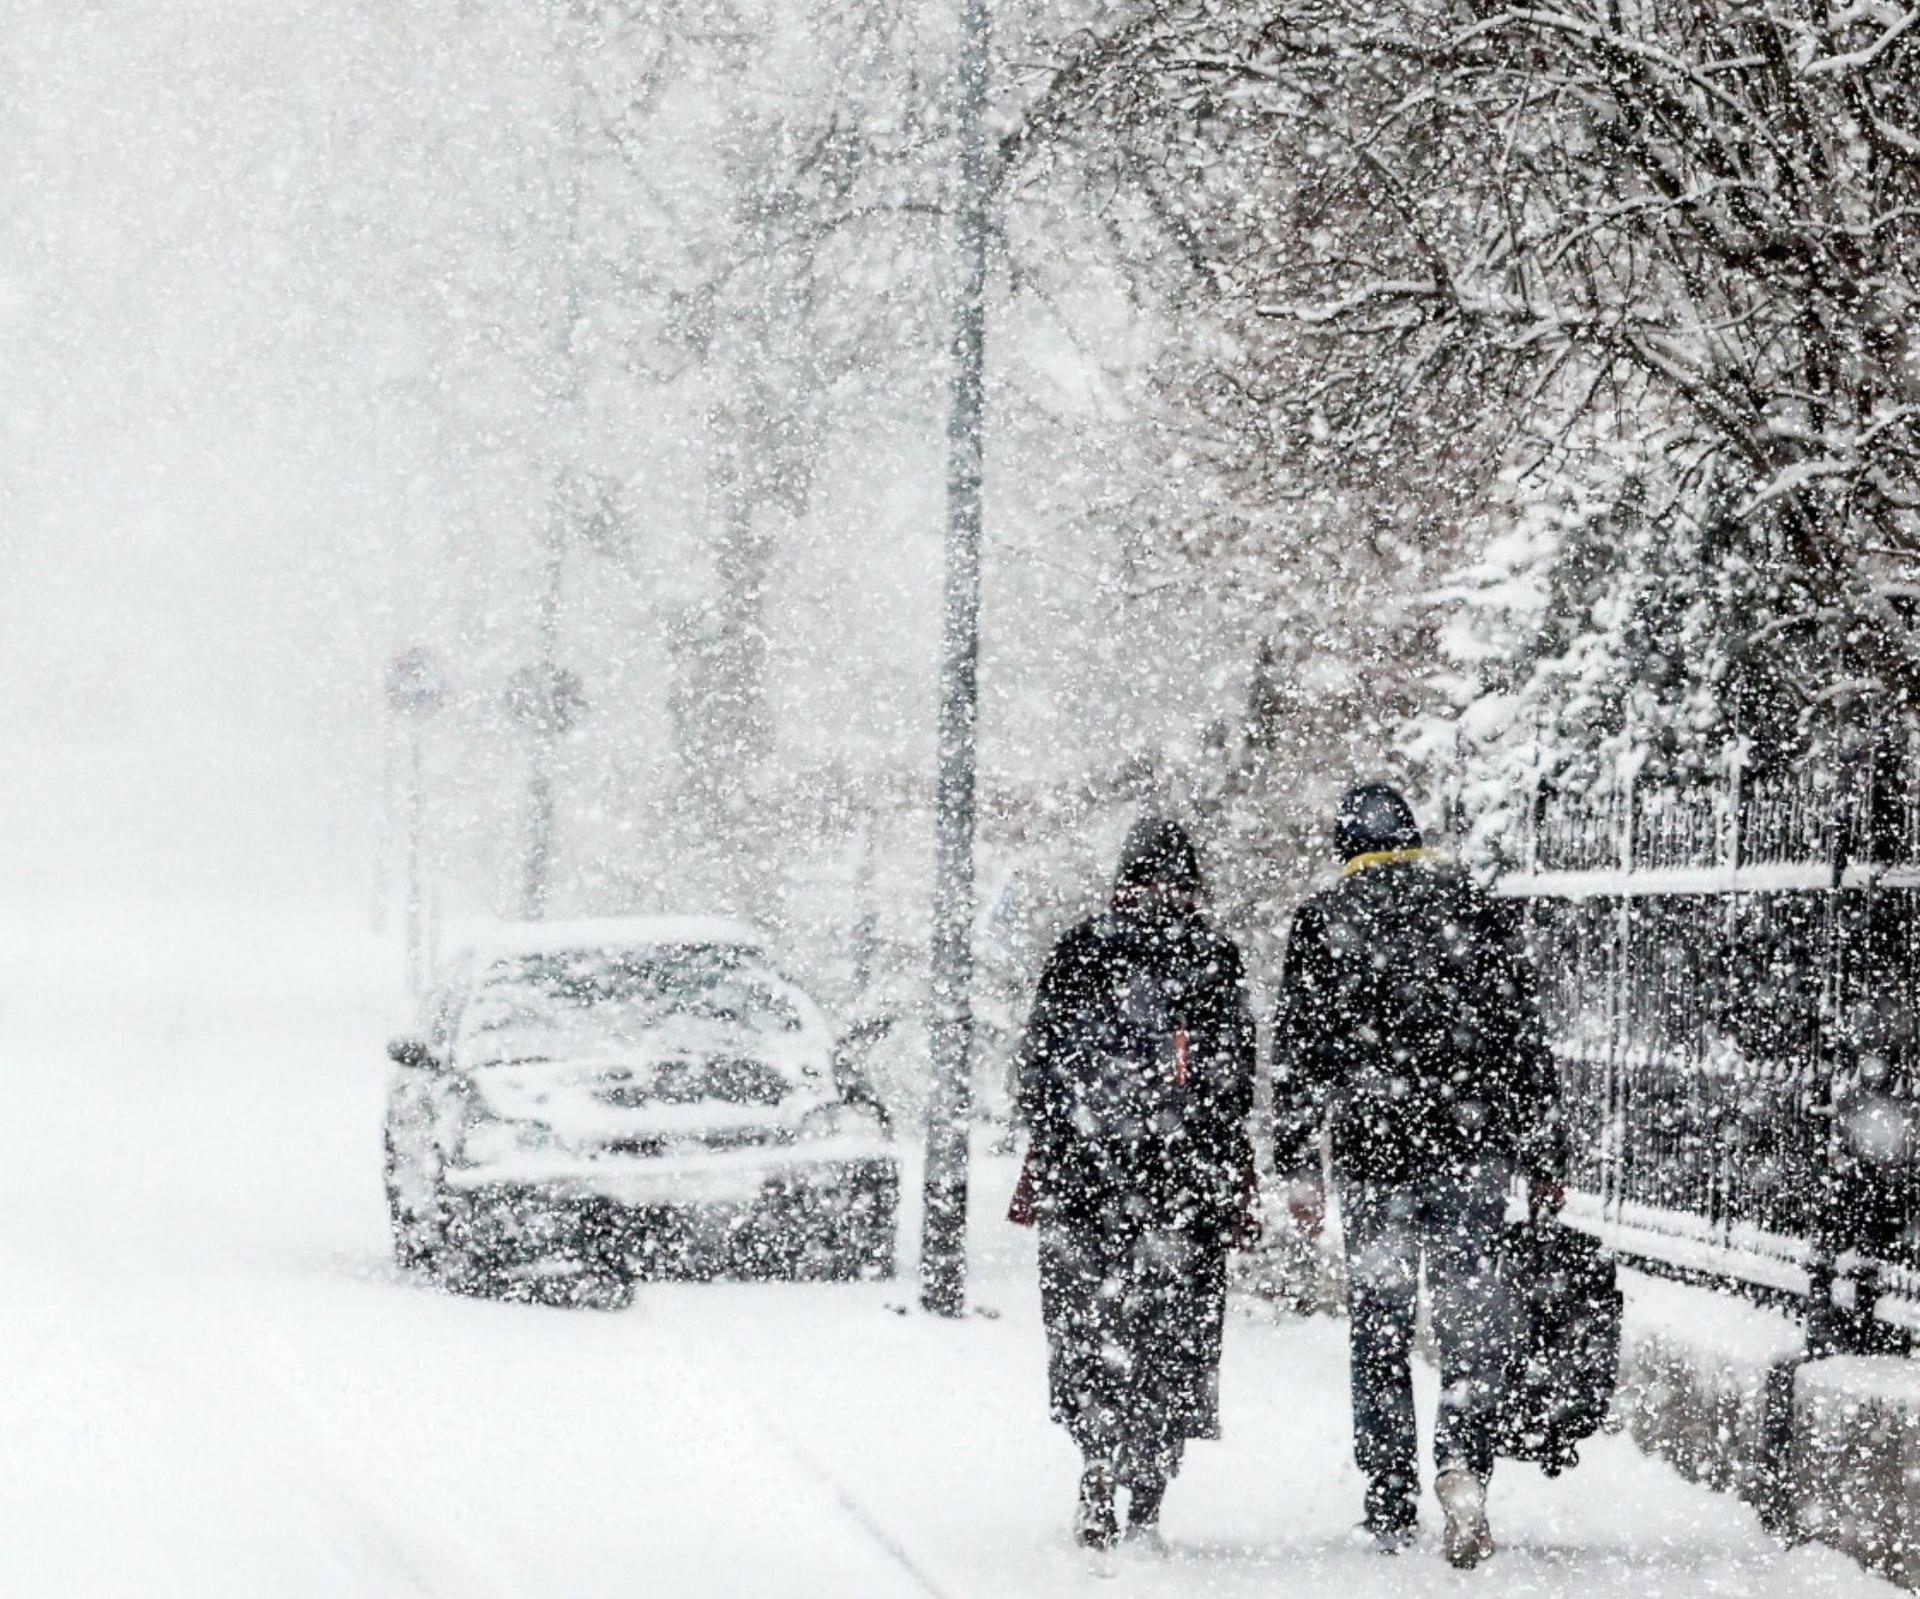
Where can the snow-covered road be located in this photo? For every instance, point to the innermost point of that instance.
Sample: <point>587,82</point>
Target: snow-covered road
<point>217,1386</point>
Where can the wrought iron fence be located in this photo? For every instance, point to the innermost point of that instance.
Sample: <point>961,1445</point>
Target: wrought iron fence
<point>1732,978</point>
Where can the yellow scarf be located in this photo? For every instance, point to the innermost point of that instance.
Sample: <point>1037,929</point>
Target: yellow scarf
<point>1389,857</point>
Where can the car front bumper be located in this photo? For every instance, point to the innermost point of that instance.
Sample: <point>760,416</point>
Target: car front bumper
<point>705,1211</point>
<point>681,1177</point>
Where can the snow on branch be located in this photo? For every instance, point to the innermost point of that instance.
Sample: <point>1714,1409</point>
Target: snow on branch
<point>1856,60</point>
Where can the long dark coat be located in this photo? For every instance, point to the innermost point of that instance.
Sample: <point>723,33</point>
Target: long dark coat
<point>1408,1017</point>
<point>1135,1081</point>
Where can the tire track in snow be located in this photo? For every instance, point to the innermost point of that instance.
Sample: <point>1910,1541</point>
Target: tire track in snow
<point>258,1420</point>
<point>842,1497</point>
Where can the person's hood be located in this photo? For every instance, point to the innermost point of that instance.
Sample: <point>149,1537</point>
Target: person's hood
<point>1158,852</point>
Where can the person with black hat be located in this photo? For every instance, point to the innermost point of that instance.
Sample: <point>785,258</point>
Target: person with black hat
<point>1135,1082</point>
<point>1408,1029</point>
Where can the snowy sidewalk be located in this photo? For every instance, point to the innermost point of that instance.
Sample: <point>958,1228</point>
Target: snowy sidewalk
<point>934,1434</point>
<point>302,1428</point>
<point>217,1386</point>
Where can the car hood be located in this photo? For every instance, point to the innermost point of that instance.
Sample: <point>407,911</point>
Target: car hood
<point>660,1089</point>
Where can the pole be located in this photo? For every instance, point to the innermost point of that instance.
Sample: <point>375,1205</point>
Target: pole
<point>384,828</point>
<point>943,1260</point>
<point>546,732</point>
<point>416,690</point>
<point>416,889</point>
<point>537,885</point>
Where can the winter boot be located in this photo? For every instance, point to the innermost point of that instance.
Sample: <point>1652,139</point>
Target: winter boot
<point>1463,1496</point>
<point>1143,1503</point>
<point>1095,1526</point>
<point>1143,1512</point>
<point>1392,1518</point>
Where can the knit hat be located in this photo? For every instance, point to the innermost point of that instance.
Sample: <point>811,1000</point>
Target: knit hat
<point>1372,817</point>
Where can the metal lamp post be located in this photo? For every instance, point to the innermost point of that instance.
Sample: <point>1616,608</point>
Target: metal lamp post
<point>943,1259</point>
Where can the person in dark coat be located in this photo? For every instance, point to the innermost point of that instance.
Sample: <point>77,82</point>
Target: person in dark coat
<point>1408,1029</point>
<point>1135,1081</point>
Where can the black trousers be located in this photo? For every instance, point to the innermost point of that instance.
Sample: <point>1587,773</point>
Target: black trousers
<point>1134,1320</point>
<point>1451,1221</point>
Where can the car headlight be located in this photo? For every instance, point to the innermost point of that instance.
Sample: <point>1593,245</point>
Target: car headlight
<point>841,1120</point>
<point>487,1139</point>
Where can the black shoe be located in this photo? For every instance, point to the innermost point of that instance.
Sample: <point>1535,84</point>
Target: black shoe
<point>1392,1518</point>
<point>1143,1502</point>
<point>1143,1514</point>
<point>1095,1526</point>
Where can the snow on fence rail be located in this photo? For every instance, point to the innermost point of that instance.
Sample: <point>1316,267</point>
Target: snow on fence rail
<point>1732,978</point>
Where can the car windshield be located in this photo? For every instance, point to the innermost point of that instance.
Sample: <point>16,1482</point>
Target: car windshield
<point>574,1003</point>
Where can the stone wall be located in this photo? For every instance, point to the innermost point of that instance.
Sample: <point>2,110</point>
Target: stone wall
<point>1823,1449</point>
<point>1855,1460</point>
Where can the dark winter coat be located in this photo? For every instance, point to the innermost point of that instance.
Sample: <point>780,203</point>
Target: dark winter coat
<point>1135,1077</point>
<point>1408,1017</point>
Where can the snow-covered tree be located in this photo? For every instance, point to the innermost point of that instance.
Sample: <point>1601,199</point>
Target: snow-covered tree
<point>1619,621</point>
<point>1442,247</point>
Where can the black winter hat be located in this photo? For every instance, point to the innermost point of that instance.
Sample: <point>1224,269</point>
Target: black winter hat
<point>1158,851</point>
<point>1374,816</point>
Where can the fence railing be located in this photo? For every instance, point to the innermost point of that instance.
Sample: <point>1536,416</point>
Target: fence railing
<point>1731,975</point>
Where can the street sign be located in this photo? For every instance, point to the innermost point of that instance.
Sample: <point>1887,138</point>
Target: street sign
<point>550,702</point>
<point>416,686</point>
<point>596,511</point>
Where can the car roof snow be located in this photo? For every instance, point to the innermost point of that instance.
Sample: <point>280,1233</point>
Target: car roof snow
<point>611,932</point>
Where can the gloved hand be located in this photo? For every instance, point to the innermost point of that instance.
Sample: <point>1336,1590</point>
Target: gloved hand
<point>1307,1207</point>
<point>1249,1227</point>
<point>1546,1196</point>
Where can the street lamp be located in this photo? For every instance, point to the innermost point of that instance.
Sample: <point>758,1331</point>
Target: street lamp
<point>943,1240</point>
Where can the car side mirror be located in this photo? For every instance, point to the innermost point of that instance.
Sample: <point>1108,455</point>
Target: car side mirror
<point>858,1039</point>
<point>411,1053</point>
<point>850,1078</point>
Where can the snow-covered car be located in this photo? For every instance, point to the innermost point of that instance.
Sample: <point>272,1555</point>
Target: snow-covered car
<point>611,1099</point>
